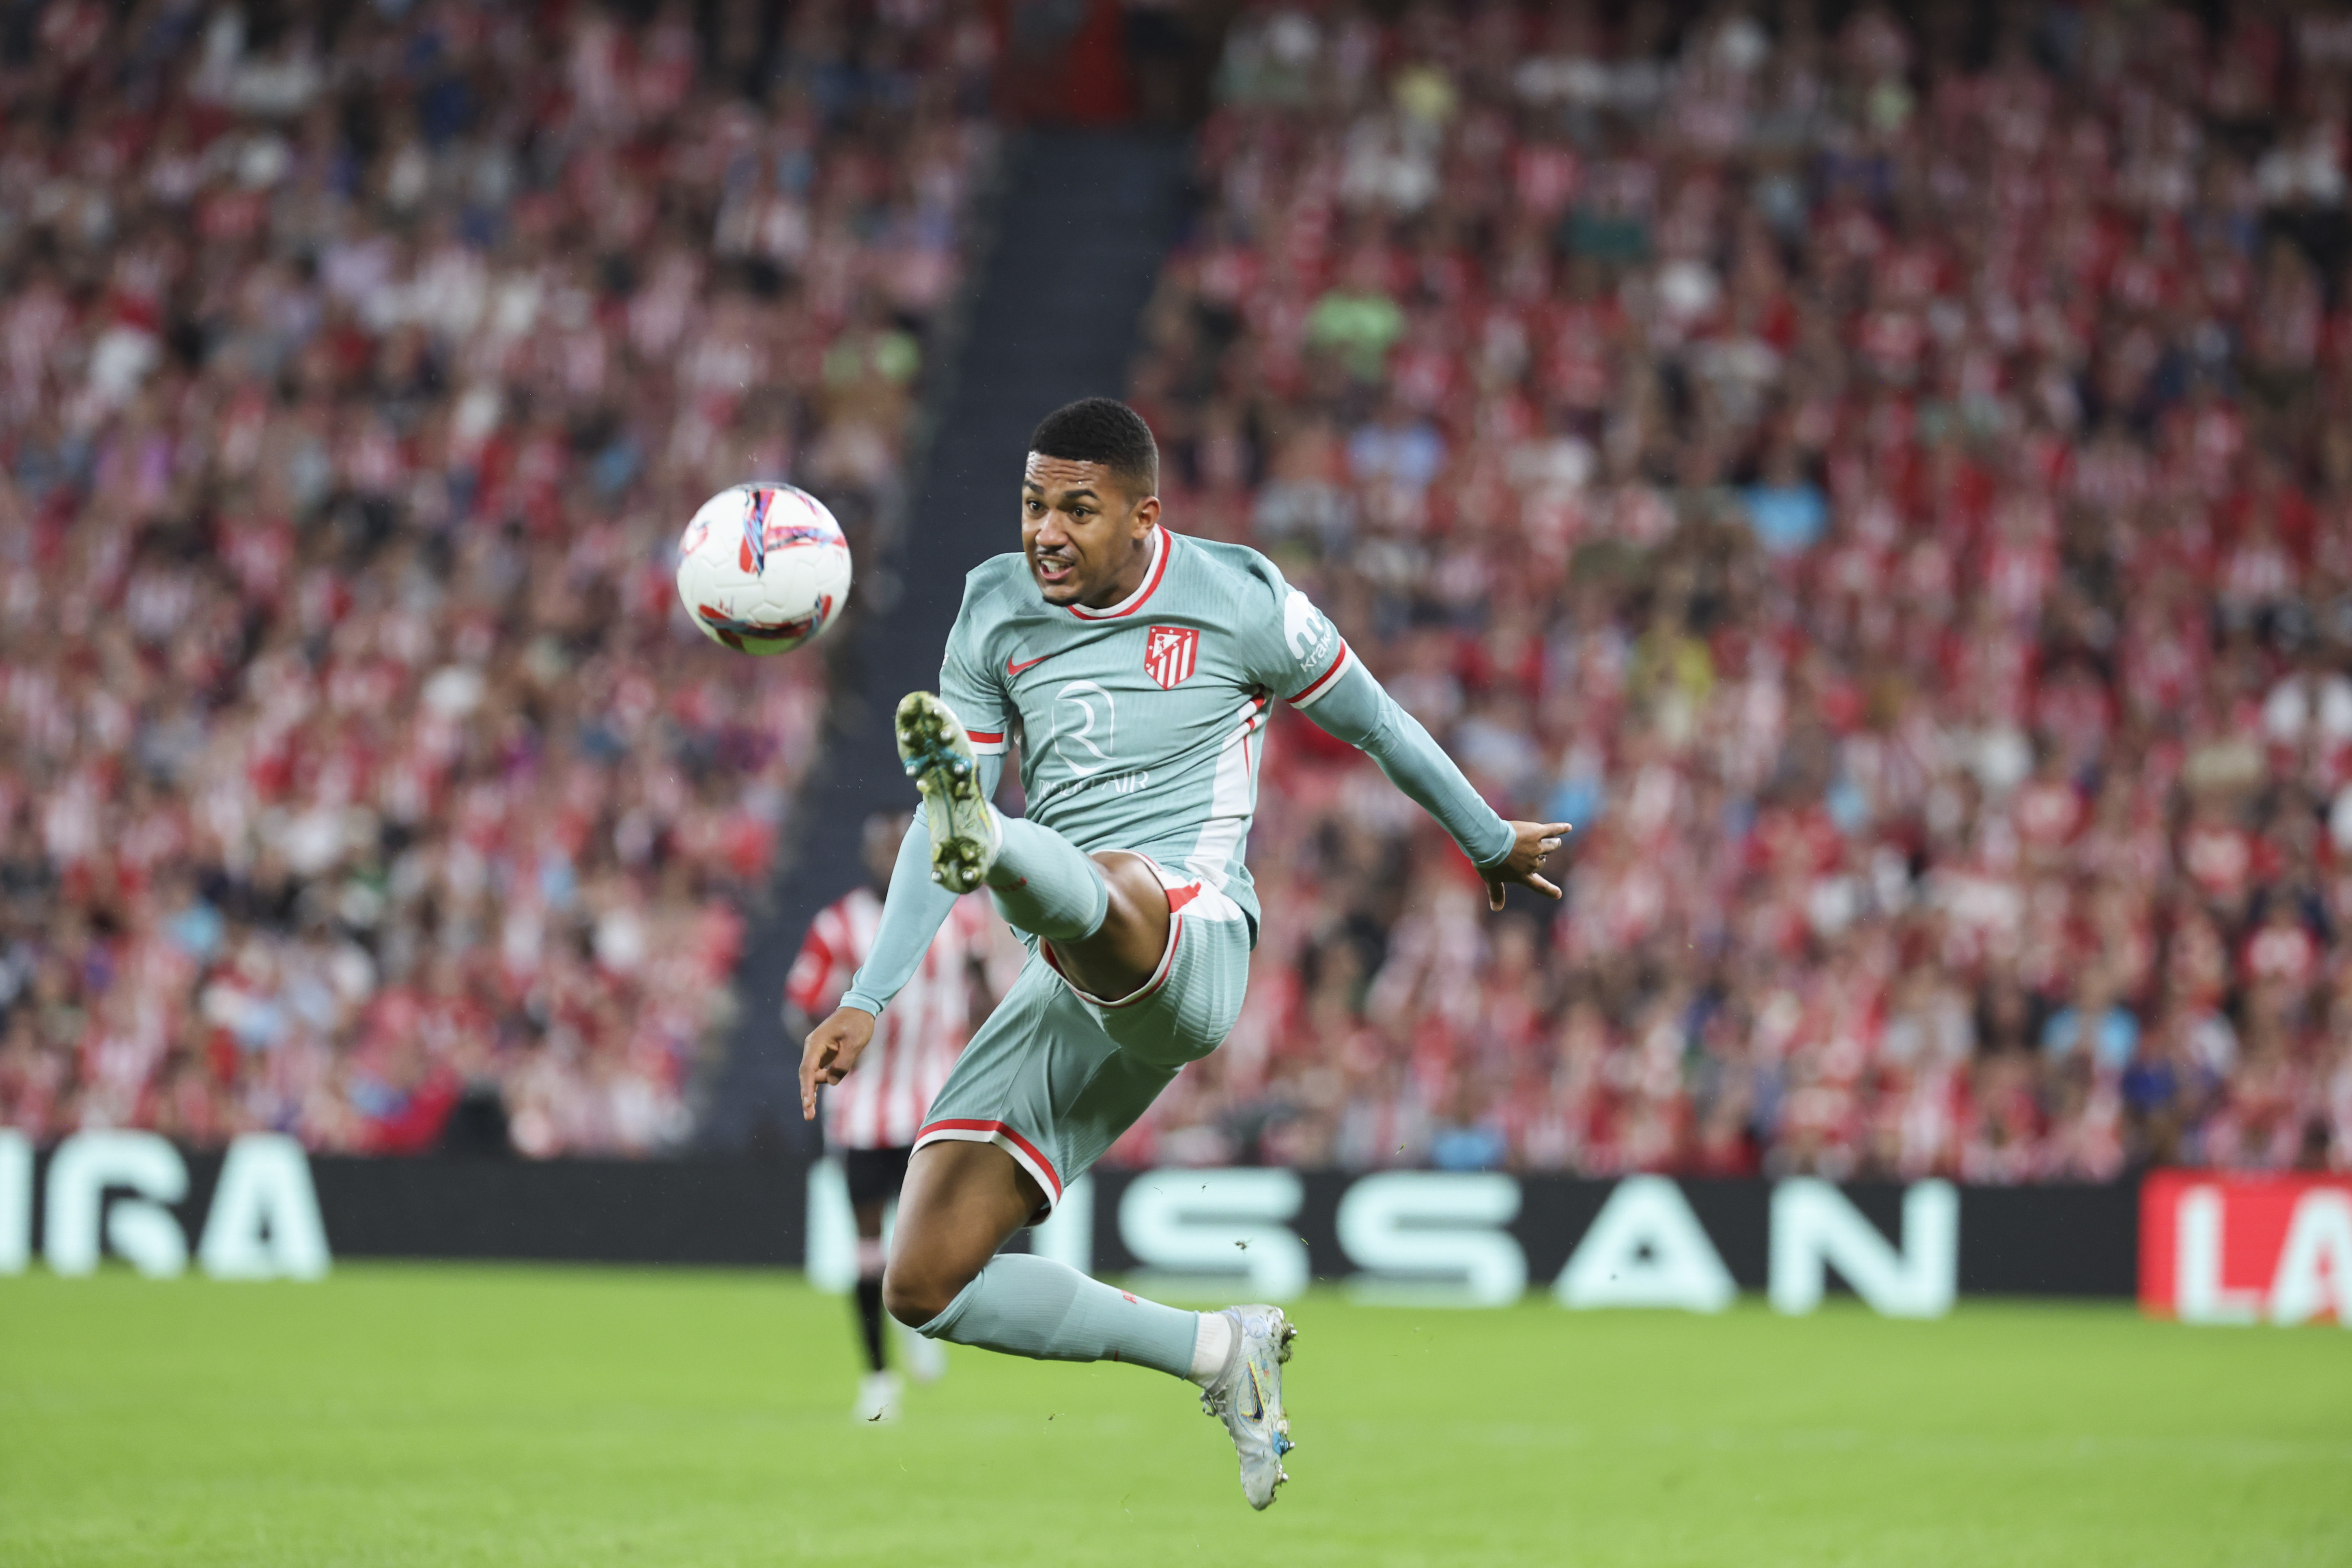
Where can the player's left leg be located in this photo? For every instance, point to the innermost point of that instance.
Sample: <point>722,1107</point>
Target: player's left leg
<point>1106,914</point>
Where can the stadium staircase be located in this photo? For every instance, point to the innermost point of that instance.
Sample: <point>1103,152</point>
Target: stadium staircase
<point>1070,242</point>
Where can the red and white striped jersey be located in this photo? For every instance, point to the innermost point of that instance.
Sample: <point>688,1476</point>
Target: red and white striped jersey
<point>916,1039</point>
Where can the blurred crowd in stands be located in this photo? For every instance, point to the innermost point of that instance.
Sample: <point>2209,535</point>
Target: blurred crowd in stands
<point>358,367</point>
<point>1885,475</point>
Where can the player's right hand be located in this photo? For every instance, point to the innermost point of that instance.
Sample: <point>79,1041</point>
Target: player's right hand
<point>832,1049</point>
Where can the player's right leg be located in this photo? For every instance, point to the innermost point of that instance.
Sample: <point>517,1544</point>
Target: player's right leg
<point>963,1201</point>
<point>1106,915</point>
<point>1041,1090</point>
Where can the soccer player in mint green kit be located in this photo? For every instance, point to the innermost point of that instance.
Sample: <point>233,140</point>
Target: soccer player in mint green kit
<point>1137,668</point>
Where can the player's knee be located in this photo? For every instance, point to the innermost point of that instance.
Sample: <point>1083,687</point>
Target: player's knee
<point>1136,899</point>
<point>915,1290</point>
<point>1124,870</point>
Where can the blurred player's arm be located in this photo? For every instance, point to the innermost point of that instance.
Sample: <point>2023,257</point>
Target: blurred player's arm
<point>1355,707</point>
<point>912,913</point>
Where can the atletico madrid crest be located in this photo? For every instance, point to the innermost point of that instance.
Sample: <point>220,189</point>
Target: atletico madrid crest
<point>1169,652</point>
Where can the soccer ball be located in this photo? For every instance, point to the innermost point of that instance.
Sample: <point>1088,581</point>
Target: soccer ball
<point>763,568</point>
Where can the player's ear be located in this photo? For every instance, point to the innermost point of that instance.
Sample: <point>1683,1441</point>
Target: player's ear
<point>1147,513</point>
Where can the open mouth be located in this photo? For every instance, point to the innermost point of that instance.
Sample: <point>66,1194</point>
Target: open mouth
<point>1053,570</point>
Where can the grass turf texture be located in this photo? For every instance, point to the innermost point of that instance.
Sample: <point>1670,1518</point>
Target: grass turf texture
<point>443,1415</point>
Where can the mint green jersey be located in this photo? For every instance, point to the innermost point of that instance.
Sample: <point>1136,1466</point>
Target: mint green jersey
<point>1140,726</point>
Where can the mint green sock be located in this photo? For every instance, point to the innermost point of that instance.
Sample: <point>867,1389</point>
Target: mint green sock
<point>1026,1305</point>
<point>1047,884</point>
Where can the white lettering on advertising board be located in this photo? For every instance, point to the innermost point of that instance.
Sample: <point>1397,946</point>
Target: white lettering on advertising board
<point>1206,1226</point>
<point>1645,1248</point>
<point>1434,1239</point>
<point>112,1192</point>
<point>1815,1228</point>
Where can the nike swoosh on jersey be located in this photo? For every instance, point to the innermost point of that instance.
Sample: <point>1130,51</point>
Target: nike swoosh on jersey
<point>1012,669</point>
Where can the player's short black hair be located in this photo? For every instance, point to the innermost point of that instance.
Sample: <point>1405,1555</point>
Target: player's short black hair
<point>1102,430</point>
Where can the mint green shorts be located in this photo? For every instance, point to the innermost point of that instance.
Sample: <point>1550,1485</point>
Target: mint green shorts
<point>1055,1076</point>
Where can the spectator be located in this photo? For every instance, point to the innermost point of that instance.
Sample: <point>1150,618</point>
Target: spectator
<point>357,371</point>
<point>1889,493</point>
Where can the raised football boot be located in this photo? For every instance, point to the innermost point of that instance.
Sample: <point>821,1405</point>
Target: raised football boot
<point>937,755</point>
<point>1247,1398</point>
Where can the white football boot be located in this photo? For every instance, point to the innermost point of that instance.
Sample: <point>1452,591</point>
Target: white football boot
<point>937,755</point>
<point>877,1397</point>
<point>1247,1398</point>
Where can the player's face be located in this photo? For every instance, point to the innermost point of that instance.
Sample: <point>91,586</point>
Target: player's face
<point>1085,536</point>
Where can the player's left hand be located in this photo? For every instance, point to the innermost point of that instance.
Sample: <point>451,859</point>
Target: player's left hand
<point>1524,864</point>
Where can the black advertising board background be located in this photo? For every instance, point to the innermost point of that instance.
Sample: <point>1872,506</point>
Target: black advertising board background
<point>710,1212</point>
<point>2050,1241</point>
<point>2079,1241</point>
<point>2014,1241</point>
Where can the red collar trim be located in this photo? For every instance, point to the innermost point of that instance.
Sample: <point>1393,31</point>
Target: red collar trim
<point>1134,601</point>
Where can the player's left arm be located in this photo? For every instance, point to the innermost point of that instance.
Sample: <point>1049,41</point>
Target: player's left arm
<point>1357,709</point>
<point>1295,650</point>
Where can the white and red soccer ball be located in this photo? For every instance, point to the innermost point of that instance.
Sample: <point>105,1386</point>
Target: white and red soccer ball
<point>763,568</point>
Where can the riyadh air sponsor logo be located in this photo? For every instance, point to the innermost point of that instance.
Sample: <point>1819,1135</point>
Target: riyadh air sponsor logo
<point>1171,653</point>
<point>1085,720</point>
<point>1307,629</point>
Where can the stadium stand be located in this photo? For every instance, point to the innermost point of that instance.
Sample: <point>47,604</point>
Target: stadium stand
<point>1889,483</point>
<point>358,365</point>
<point>1886,477</point>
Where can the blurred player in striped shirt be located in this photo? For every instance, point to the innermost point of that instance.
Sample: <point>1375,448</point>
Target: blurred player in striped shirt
<point>871,1118</point>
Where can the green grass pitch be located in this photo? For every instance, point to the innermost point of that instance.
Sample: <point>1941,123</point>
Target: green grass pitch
<point>516,1416</point>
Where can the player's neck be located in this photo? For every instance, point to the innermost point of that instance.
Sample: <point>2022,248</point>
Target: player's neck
<point>1131,573</point>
